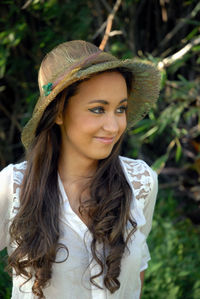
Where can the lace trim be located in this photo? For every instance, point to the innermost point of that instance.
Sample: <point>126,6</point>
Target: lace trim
<point>140,178</point>
<point>18,174</point>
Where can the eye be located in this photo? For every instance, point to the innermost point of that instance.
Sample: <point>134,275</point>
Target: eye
<point>122,109</point>
<point>97,110</point>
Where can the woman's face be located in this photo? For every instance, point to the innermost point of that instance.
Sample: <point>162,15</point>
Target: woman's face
<point>95,117</point>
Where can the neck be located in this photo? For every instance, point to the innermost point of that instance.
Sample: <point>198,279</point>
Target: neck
<point>72,168</point>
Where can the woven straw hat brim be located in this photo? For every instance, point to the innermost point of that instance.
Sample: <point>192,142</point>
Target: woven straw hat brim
<point>144,93</point>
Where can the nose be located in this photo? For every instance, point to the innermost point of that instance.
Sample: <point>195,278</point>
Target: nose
<point>111,124</point>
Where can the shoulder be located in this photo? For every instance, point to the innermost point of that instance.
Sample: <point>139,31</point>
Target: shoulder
<point>142,177</point>
<point>20,166</point>
<point>6,177</point>
<point>13,167</point>
<point>11,178</point>
<point>12,173</point>
<point>137,167</point>
<point>18,172</point>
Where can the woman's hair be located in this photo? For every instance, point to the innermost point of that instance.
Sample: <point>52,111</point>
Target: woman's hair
<point>35,228</point>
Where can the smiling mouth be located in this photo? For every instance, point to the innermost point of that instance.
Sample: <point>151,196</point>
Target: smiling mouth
<point>106,140</point>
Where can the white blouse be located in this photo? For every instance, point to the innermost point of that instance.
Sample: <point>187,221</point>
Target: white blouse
<point>71,279</point>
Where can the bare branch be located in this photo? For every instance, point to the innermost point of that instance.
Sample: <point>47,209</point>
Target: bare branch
<point>179,26</point>
<point>163,11</point>
<point>106,5</point>
<point>100,30</point>
<point>28,2</point>
<point>109,24</point>
<point>178,55</point>
<point>115,32</point>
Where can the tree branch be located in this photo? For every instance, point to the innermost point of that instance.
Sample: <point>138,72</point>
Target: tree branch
<point>109,25</point>
<point>178,55</point>
<point>115,32</point>
<point>106,5</point>
<point>179,26</point>
<point>28,2</point>
<point>99,31</point>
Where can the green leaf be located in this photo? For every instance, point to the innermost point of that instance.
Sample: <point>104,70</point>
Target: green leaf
<point>178,150</point>
<point>163,78</point>
<point>149,133</point>
<point>160,162</point>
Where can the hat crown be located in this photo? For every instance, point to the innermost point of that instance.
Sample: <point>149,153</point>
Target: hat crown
<point>64,57</point>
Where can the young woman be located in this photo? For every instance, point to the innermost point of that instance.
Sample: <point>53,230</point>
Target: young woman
<point>75,215</point>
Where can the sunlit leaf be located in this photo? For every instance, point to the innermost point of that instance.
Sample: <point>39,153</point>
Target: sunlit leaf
<point>160,162</point>
<point>178,150</point>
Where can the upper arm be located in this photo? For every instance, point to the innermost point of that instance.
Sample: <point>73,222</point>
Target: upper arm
<point>144,182</point>
<point>5,203</point>
<point>150,201</point>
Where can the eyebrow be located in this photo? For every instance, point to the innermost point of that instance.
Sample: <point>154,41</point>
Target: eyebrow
<point>106,102</point>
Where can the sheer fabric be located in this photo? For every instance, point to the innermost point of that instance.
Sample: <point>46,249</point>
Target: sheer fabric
<point>70,279</point>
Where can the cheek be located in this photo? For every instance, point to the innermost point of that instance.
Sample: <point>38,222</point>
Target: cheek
<point>83,124</point>
<point>123,124</point>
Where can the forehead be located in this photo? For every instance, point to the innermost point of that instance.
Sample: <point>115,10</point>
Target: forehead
<point>107,86</point>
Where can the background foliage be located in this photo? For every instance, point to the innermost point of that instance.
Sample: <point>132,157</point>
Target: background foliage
<point>168,139</point>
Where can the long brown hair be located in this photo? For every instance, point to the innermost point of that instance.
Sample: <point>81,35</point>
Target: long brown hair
<point>35,228</point>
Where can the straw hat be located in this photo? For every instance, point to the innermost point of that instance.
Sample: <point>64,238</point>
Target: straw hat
<point>76,60</point>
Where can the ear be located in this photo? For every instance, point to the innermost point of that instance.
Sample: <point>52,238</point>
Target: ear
<point>59,119</point>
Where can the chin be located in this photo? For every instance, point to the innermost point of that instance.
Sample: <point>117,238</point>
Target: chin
<point>102,156</point>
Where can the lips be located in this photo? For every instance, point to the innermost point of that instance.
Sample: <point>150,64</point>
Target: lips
<point>106,140</point>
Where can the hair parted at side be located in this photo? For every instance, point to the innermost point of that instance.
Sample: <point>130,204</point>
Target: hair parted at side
<point>35,228</point>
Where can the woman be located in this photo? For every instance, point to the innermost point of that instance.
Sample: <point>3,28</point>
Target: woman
<point>75,215</point>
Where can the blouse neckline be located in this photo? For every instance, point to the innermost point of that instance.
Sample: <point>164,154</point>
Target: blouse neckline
<point>71,214</point>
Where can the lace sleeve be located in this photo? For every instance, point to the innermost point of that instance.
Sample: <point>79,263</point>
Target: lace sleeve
<point>144,183</point>
<point>6,183</point>
<point>18,175</point>
<point>150,202</point>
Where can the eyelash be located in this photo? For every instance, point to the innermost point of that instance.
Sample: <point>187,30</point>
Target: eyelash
<point>123,108</point>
